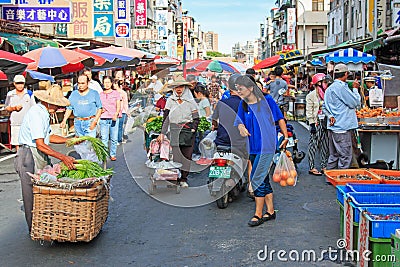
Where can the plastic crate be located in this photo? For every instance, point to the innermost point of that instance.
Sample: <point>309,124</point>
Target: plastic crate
<point>395,244</point>
<point>387,173</point>
<point>341,191</point>
<point>369,200</point>
<point>380,248</point>
<point>332,177</point>
<point>382,228</point>
<point>379,188</point>
<point>341,215</point>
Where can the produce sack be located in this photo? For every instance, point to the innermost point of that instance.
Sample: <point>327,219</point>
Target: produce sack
<point>207,146</point>
<point>285,172</point>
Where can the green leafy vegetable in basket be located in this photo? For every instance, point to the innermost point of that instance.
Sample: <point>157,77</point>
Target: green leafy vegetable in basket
<point>154,124</point>
<point>204,125</point>
<point>84,169</point>
<point>99,148</point>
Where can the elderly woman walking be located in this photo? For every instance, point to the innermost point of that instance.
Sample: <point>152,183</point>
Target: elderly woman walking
<point>181,119</point>
<point>256,118</point>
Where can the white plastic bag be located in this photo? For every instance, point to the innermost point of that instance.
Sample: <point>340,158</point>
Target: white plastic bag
<point>285,172</point>
<point>86,151</point>
<point>212,135</point>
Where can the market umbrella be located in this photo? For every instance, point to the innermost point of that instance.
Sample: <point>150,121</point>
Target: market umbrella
<point>123,51</point>
<point>215,66</point>
<point>114,60</point>
<point>98,60</point>
<point>13,64</point>
<point>54,61</point>
<point>269,62</point>
<point>30,76</point>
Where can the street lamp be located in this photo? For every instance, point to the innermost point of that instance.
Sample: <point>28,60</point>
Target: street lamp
<point>304,28</point>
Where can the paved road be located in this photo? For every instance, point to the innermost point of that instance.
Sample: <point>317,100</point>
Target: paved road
<point>142,231</point>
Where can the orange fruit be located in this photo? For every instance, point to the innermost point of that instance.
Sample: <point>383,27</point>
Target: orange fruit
<point>284,175</point>
<point>290,181</point>
<point>276,178</point>
<point>283,183</point>
<point>293,173</point>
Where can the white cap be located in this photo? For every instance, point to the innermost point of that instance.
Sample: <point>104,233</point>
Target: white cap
<point>154,77</point>
<point>19,79</point>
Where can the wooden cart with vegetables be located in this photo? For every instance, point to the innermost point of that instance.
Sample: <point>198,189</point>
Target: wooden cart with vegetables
<point>71,205</point>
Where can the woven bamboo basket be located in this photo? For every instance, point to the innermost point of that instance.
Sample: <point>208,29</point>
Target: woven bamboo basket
<point>69,215</point>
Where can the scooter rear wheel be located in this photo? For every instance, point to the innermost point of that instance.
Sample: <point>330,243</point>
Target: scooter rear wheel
<point>223,201</point>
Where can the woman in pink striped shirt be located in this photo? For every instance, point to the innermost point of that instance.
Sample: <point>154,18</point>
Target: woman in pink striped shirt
<point>123,111</point>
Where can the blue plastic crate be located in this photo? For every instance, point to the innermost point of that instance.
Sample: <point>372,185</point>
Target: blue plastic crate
<point>382,228</point>
<point>382,188</point>
<point>368,200</point>
<point>341,191</point>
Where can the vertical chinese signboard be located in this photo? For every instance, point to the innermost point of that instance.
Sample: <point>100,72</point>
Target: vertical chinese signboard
<point>121,9</point>
<point>348,225</point>
<point>103,18</point>
<point>179,37</point>
<point>363,241</point>
<point>186,22</point>
<point>291,22</point>
<point>379,18</point>
<point>82,19</point>
<point>140,13</point>
<point>172,46</point>
<point>396,14</point>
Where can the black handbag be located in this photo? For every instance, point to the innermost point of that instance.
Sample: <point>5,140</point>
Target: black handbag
<point>181,134</point>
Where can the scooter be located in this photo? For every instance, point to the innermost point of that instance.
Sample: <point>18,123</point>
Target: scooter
<point>226,176</point>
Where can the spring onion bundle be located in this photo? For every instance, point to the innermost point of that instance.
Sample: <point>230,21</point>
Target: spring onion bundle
<point>99,148</point>
<point>84,169</point>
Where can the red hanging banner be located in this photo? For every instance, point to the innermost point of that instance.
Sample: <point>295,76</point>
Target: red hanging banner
<point>140,13</point>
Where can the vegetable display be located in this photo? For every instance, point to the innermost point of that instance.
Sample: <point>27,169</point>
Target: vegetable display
<point>99,148</point>
<point>204,125</point>
<point>84,169</point>
<point>154,124</point>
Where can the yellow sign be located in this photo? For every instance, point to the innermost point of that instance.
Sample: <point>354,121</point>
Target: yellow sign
<point>370,16</point>
<point>180,50</point>
<point>82,19</point>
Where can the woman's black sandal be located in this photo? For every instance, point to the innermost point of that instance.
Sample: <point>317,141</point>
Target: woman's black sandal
<point>255,223</point>
<point>268,216</point>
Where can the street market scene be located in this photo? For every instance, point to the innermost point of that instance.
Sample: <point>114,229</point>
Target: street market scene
<point>200,133</point>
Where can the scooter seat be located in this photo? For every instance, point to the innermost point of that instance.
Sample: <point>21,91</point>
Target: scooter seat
<point>226,149</point>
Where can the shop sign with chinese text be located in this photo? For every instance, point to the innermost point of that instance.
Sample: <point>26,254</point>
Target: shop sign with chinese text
<point>144,34</point>
<point>103,25</point>
<point>102,6</point>
<point>82,19</point>
<point>140,13</point>
<point>122,29</point>
<point>291,22</point>
<point>38,11</point>
<point>121,9</point>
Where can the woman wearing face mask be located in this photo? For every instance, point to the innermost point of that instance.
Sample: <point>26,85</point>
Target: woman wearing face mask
<point>256,118</point>
<point>181,118</point>
<point>318,123</point>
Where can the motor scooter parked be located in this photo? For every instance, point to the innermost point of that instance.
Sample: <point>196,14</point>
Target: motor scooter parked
<point>227,176</point>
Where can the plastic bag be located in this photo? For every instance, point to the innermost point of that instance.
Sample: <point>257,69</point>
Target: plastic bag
<point>212,135</point>
<point>285,172</point>
<point>86,151</point>
<point>207,148</point>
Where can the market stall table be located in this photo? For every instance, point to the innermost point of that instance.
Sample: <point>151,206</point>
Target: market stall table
<point>381,144</point>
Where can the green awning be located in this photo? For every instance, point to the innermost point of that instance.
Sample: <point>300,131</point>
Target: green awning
<point>374,45</point>
<point>21,43</point>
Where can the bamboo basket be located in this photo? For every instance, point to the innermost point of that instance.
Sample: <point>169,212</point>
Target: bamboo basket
<point>69,215</point>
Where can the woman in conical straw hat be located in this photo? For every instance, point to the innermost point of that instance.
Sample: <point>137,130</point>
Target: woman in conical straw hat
<point>181,120</point>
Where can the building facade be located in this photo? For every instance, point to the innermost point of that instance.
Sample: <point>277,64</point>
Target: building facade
<point>211,41</point>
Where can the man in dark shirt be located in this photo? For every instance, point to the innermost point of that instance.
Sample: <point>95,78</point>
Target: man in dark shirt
<point>223,120</point>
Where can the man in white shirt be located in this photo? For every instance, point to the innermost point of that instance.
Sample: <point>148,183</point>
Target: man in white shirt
<point>156,85</point>
<point>92,83</point>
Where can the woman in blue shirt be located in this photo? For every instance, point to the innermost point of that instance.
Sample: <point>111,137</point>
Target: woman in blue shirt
<point>256,119</point>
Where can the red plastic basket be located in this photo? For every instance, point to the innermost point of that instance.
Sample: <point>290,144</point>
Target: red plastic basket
<point>332,176</point>
<point>382,173</point>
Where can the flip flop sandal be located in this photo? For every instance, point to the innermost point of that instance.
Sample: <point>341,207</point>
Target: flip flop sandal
<point>316,173</point>
<point>255,223</point>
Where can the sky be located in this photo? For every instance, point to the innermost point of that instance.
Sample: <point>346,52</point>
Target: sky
<point>233,20</point>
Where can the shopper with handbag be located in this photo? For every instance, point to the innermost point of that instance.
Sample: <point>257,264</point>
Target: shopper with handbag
<point>181,118</point>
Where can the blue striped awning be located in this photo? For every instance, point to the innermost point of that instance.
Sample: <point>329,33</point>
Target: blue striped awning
<point>349,55</point>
